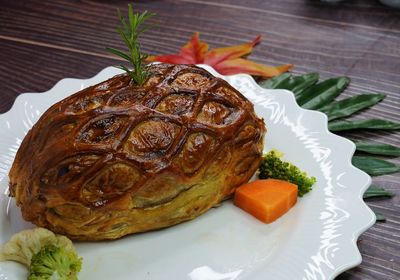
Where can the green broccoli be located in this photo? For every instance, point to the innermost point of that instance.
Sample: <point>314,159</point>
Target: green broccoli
<point>48,256</point>
<point>55,263</point>
<point>273,167</point>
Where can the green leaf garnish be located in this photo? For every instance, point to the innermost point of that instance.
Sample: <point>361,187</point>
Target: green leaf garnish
<point>374,191</point>
<point>322,93</point>
<point>130,31</point>
<point>275,81</point>
<point>340,125</point>
<point>380,217</point>
<point>377,148</point>
<point>294,83</point>
<point>375,166</point>
<point>348,106</point>
<point>300,83</point>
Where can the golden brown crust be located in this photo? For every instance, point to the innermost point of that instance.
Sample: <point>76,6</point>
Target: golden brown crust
<point>115,159</point>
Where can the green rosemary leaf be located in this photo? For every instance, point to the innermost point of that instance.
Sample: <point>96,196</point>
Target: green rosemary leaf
<point>122,67</point>
<point>374,191</point>
<point>377,148</point>
<point>349,106</point>
<point>132,20</point>
<point>118,53</point>
<point>122,20</point>
<point>340,125</point>
<point>375,166</point>
<point>322,93</point>
<point>145,28</point>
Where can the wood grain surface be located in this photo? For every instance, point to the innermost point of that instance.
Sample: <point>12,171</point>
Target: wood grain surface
<point>42,42</point>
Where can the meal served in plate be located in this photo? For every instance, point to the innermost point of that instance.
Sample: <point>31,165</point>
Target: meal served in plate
<point>118,158</point>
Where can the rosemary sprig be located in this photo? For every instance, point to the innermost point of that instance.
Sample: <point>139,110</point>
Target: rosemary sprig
<point>130,31</point>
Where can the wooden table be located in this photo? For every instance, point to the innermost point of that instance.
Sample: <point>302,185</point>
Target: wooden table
<point>44,41</point>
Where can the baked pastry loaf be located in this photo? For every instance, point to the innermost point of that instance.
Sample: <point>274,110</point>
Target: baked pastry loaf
<point>115,158</point>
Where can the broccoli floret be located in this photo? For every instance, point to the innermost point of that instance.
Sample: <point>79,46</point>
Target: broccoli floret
<point>54,263</point>
<point>273,167</point>
<point>48,256</point>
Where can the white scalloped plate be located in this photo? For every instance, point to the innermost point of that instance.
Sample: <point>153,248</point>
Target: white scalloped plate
<point>315,240</point>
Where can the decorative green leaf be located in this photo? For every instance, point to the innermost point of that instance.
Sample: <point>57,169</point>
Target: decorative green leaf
<point>349,106</point>
<point>322,93</point>
<point>374,191</point>
<point>299,83</point>
<point>380,217</point>
<point>275,81</point>
<point>377,148</point>
<point>303,82</point>
<point>340,125</point>
<point>375,166</point>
